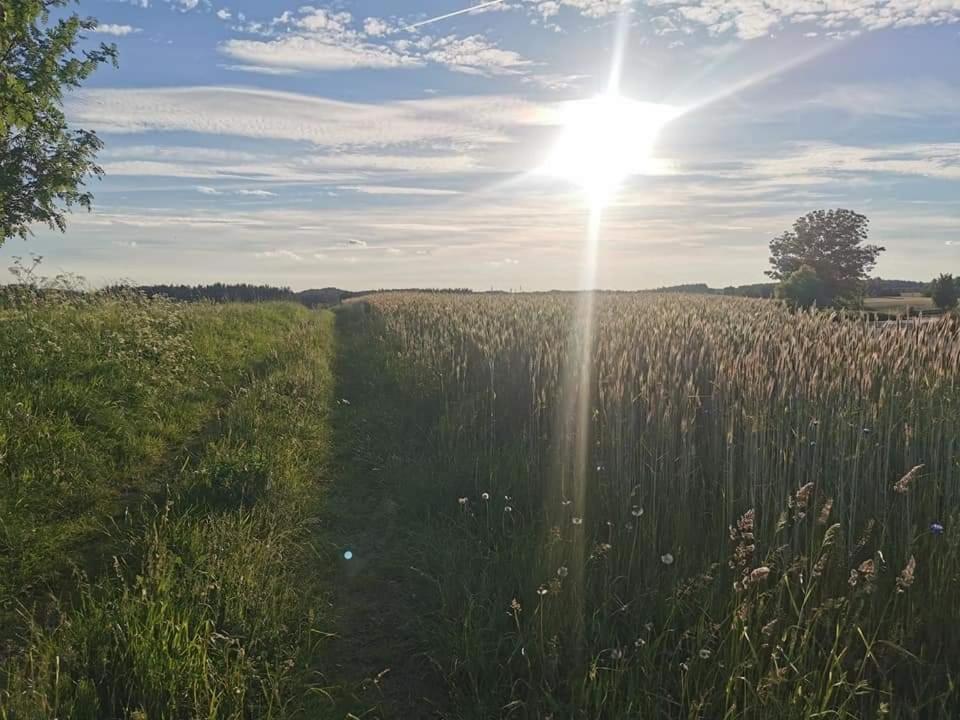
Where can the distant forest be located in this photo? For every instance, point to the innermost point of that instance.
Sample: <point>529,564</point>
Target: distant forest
<point>243,292</point>
<point>875,287</point>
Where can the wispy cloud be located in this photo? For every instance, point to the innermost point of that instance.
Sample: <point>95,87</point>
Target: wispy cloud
<point>115,30</point>
<point>316,53</point>
<point>207,190</point>
<point>396,190</point>
<point>260,69</point>
<point>279,254</point>
<point>249,112</point>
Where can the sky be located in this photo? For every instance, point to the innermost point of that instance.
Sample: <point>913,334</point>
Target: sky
<point>366,144</point>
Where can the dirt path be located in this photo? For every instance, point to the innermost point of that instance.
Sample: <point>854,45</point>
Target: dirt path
<point>379,653</point>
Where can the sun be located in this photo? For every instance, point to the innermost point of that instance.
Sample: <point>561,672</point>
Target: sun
<point>603,140</point>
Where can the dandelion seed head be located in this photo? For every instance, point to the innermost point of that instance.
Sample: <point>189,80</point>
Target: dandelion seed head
<point>636,511</point>
<point>562,571</point>
<point>666,559</point>
<point>704,654</point>
<point>577,520</point>
<point>462,501</point>
<point>507,509</point>
<point>348,554</point>
<point>485,496</point>
<point>936,528</point>
<point>542,590</point>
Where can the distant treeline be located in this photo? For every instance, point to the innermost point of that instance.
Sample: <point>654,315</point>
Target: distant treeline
<point>875,287</point>
<point>243,292</point>
<point>220,292</point>
<point>758,290</point>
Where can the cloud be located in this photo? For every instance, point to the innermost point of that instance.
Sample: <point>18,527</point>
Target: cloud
<point>279,254</point>
<point>396,190</point>
<point>376,27</point>
<point>323,40</point>
<point>224,14</point>
<point>207,190</point>
<point>260,69</point>
<point>822,162</point>
<point>314,53</point>
<point>257,193</point>
<point>253,113</point>
<point>750,19</point>
<point>179,162</point>
<point>184,5</point>
<point>919,99</point>
<point>587,8</point>
<point>319,39</point>
<point>116,30</point>
<point>475,54</point>
<point>357,243</point>
<point>555,81</point>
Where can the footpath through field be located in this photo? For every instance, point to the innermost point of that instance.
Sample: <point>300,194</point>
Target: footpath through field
<point>377,658</point>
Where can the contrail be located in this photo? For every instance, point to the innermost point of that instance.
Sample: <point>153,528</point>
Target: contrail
<point>453,14</point>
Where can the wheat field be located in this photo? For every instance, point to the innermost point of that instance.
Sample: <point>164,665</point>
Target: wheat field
<point>760,519</point>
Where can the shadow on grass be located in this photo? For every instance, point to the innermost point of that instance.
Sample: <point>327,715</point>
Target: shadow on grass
<point>372,518</point>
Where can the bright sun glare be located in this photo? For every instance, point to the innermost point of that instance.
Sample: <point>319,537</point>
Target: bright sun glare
<point>604,139</point>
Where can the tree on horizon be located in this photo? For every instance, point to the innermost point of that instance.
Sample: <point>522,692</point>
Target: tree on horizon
<point>830,245</point>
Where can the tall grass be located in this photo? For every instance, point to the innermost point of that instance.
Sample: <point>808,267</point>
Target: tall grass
<point>210,605</point>
<point>98,396</point>
<point>769,522</point>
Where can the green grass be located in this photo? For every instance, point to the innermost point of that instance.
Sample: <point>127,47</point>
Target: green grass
<point>98,400</point>
<point>214,606</point>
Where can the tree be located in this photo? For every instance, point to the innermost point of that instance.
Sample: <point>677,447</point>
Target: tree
<point>804,288</point>
<point>832,244</point>
<point>944,292</point>
<point>43,163</point>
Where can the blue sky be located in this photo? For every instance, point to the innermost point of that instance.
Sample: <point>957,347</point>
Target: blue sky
<point>336,144</point>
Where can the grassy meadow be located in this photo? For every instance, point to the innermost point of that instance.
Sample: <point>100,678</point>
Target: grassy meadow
<point>160,466</point>
<point>421,506</point>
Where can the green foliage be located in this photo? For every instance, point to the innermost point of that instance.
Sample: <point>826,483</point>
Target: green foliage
<point>43,162</point>
<point>804,288</point>
<point>945,292</point>
<point>831,242</point>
